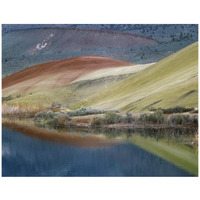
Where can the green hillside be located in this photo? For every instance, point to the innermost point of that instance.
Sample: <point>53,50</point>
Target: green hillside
<point>66,95</point>
<point>74,92</point>
<point>171,82</point>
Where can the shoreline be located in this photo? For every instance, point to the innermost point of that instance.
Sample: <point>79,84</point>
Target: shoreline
<point>112,135</point>
<point>87,122</point>
<point>88,126</point>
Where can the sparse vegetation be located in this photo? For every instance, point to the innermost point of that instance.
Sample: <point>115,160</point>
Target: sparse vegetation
<point>176,109</point>
<point>181,119</point>
<point>62,119</point>
<point>85,111</point>
<point>20,111</point>
<point>112,118</point>
<point>88,111</point>
<point>156,118</point>
<point>51,118</point>
<point>8,98</point>
<point>108,118</point>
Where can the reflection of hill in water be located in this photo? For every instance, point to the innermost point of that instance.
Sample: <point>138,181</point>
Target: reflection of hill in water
<point>74,138</point>
<point>174,145</point>
<point>32,157</point>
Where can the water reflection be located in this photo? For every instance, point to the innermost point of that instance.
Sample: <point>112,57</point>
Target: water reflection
<point>27,156</point>
<point>178,146</point>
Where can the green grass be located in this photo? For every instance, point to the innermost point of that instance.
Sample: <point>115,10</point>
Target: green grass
<point>65,95</point>
<point>180,155</point>
<point>163,84</point>
<point>171,82</point>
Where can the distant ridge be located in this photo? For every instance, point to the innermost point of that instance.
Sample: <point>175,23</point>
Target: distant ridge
<point>28,47</point>
<point>86,29</point>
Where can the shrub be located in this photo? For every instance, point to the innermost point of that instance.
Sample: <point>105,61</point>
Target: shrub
<point>177,109</point>
<point>44,115</point>
<point>193,119</point>
<point>109,118</point>
<point>195,110</point>
<point>87,111</point>
<point>112,118</point>
<point>178,119</point>
<point>50,117</point>
<point>60,121</point>
<point>84,111</point>
<point>128,118</point>
<point>155,118</point>
<point>8,98</point>
<point>97,121</point>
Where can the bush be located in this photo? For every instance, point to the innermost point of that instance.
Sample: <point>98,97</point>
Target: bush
<point>193,119</point>
<point>109,118</point>
<point>60,121</point>
<point>130,118</point>
<point>97,121</point>
<point>50,117</point>
<point>8,98</point>
<point>87,111</point>
<point>155,118</point>
<point>178,119</point>
<point>112,118</point>
<point>44,115</point>
<point>84,111</point>
<point>177,109</point>
<point>195,111</point>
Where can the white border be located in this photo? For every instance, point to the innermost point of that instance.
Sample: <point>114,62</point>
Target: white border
<point>104,11</point>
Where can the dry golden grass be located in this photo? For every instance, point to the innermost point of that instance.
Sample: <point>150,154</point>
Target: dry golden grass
<point>20,111</point>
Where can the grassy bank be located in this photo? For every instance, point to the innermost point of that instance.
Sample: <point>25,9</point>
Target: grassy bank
<point>87,117</point>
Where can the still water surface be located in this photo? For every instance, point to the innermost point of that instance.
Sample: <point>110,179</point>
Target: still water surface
<point>23,155</point>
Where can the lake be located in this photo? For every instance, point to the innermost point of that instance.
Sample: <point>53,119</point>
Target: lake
<point>23,155</point>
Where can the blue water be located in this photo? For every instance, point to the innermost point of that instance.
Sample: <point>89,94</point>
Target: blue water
<point>26,156</point>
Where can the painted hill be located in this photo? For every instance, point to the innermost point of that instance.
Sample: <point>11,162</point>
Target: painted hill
<point>84,82</point>
<point>171,82</point>
<point>74,92</point>
<point>56,74</point>
<point>25,48</point>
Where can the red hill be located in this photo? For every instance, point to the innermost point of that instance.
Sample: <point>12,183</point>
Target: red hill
<point>58,73</point>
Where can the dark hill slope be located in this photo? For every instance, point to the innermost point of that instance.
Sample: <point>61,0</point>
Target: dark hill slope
<point>25,48</point>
